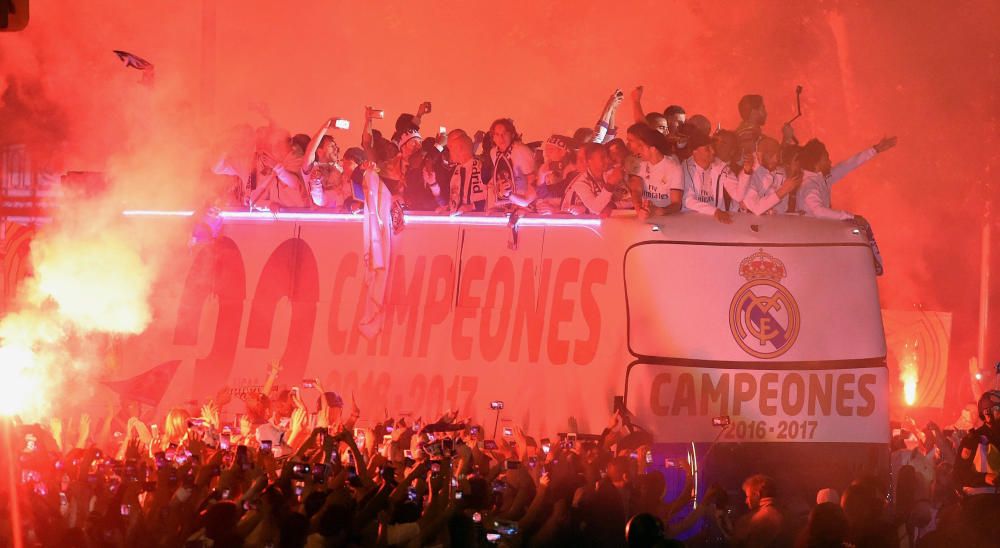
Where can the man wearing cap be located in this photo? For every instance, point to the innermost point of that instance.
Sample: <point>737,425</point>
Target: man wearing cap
<point>556,173</point>
<point>422,191</point>
<point>707,179</point>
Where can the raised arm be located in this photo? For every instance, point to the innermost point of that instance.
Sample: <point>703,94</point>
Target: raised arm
<point>310,156</point>
<point>637,114</point>
<point>603,131</point>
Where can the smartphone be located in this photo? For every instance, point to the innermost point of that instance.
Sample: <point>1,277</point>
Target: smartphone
<point>320,471</point>
<point>474,431</point>
<point>242,458</point>
<point>721,421</point>
<point>376,113</point>
<point>490,445</point>
<point>508,431</point>
<point>618,404</point>
<point>161,459</point>
<point>407,454</point>
<point>496,405</point>
<point>340,123</point>
<point>265,446</point>
<point>546,445</point>
<point>571,440</point>
<point>412,494</point>
<point>649,457</point>
<point>671,463</point>
<point>224,442</point>
<point>442,130</point>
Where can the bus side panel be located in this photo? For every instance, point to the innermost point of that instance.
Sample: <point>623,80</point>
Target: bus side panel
<point>467,320</point>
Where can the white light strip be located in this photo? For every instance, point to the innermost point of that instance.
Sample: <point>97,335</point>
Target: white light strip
<point>156,213</point>
<point>353,218</point>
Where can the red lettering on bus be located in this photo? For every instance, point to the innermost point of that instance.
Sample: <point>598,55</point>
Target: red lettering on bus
<point>745,387</point>
<point>290,272</point>
<point>718,394</point>
<point>822,395</point>
<point>466,307</point>
<point>529,311</point>
<point>562,310</point>
<point>217,270</point>
<point>492,341</point>
<point>440,288</point>
<point>403,302</point>
<point>684,398</point>
<point>792,406</point>
<point>656,403</point>
<point>769,394</point>
<point>595,273</point>
<point>845,394</point>
<point>865,382</point>
<point>337,337</point>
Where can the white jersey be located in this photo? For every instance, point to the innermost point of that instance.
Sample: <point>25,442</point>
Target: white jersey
<point>761,196</point>
<point>814,196</point>
<point>659,179</point>
<point>588,191</point>
<point>704,189</point>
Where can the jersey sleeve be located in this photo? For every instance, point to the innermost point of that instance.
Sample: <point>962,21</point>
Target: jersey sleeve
<point>841,170</point>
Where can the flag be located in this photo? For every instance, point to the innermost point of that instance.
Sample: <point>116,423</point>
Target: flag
<point>148,387</point>
<point>132,60</point>
<point>377,252</point>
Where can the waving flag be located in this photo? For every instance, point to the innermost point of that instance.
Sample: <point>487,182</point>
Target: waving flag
<point>148,387</point>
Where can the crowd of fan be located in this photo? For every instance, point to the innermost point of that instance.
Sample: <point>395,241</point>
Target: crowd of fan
<point>666,163</point>
<point>283,473</point>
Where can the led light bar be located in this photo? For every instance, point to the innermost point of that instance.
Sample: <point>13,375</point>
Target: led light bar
<point>416,219</point>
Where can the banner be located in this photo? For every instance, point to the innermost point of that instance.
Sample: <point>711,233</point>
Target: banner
<point>918,346</point>
<point>678,404</point>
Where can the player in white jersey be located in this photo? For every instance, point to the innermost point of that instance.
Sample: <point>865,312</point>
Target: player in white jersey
<point>770,189</point>
<point>658,173</point>
<point>707,180</point>
<point>589,192</point>
<point>819,176</point>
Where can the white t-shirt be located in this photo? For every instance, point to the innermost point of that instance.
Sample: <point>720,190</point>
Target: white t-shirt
<point>659,179</point>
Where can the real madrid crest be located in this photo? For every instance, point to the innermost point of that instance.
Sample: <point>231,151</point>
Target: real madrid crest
<point>763,316</point>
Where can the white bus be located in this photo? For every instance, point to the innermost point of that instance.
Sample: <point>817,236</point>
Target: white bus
<point>771,322</point>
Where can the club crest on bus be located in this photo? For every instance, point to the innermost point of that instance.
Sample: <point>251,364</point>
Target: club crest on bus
<point>763,316</point>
